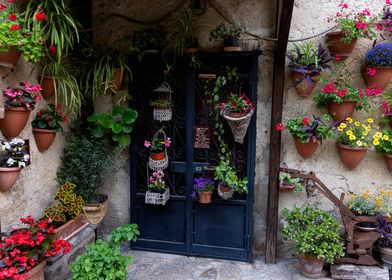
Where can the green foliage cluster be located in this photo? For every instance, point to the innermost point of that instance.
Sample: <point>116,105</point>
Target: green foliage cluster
<point>315,231</point>
<point>85,161</point>
<point>69,205</point>
<point>103,260</point>
<point>223,31</point>
<point>226,174</point>
<point>385,146</point>
<point>161,103</point>
<point>287,180</point>
<point>185,33</point>
<point>118,124</point>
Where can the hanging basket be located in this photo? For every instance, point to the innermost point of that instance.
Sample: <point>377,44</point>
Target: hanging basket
<point>164,88</point>
<point>162,114</point>
<point>157,198</point>
<point>238,125</point>
<point>96,212</point>
<point>162,164</point>
<point>224,193</point>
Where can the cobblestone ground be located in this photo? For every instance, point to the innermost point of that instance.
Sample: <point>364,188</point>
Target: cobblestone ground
<point>156,266</point>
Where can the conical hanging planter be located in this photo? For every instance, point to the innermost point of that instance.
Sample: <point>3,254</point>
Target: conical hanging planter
<point>337,47</point>
<point>380,79</point>
<point>96,212</point>
<point>341,111</point>
<point>8,177</point>
<point>306,150</point>
<point>304,85</point>
<point>47,87</point>
<point>9,58</point>
<point>14,121</point>
<point>44,138</point>
<point>238,124</point>
<point>351,157</point>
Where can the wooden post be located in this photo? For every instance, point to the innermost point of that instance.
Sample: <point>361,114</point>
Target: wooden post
<point>284,13</point>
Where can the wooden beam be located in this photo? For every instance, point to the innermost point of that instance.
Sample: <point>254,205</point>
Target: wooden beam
<point>284,13</point>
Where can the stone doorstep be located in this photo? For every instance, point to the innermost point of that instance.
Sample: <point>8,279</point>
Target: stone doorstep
<point>57,267</point>
<point>359,272</point>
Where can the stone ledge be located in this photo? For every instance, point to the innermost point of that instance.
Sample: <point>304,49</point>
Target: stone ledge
<point>359,272</point>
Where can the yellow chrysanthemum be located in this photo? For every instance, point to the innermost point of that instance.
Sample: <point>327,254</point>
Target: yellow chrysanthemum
<point>352,137</point>
<point>349,120</point>
<point>359,143</point>
<point>385,137</point>
<point>357,123</point>
<point>376,142</point>
<point>370,120</point>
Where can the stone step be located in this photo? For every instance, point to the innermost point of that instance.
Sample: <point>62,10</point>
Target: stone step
<point>359,272</point>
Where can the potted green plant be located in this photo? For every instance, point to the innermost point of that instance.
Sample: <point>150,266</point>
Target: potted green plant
<point>158,146</point>
<point>184,38</point>
<point>306,64</point>
<point>203,187</point>
<point>229,181</point>
<point>148,41</point>
<point>16,38</point>
<point>118,125</point>
<point>230,34</point>
<point>67,214</point>
<point>24,251</point>
<point>13,157</point>
<point>308,134</point>
<point>317,235</point>
<point>158,192</point>
<point>352,25</point>
<point>385,147</point>
<point>19,102</point>
<point>103,260</point>
<point>354,139</point>
<point>378,66</point>
<point>162,103</point>
<point>46,124</point>
<point>289,183</point>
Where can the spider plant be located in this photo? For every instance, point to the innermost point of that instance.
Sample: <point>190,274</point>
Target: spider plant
<point>60,29</point>
<point>185,32</point>
<point>101,68</point>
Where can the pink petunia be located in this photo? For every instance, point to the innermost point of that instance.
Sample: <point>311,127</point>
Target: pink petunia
<point>371,71</point>
<point>147,144</point>
<point>167,142</point>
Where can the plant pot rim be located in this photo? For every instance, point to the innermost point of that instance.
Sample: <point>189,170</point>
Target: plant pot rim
<point>339,145</point>
<point>10,168</point>
<point>379,67</point>
<point>388,156</point>
<point>298,139</point>
<point>334,33</point>
<point>16,109</point>
<point>209,192</point>
<point>44,130</point>
<point>105,199</point>
<point>312,256</point>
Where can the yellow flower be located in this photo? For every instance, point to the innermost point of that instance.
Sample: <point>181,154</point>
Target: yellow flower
<point>349,132</point>
<point>370,120</point>
<point>385,137</point>
<point>359,143</point>
<point>376,142</point>
<point>365,133</point>
<point>357,123</point>
<point>378,135</point>
<point>365,144</point>
<point>352,137</point>
<point>343,125</point>
<point>350,120</point>
<point>368,128</point>
<point>340,129</point>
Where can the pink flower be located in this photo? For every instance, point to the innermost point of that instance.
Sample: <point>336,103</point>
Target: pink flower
<point>388,2</point>
<point>379,26</point>
<point>341,93</point>
<point>305,120</point>
<point>343,5</point>
<point>167,142</point>
<point>329,88</point>
<point>280,127</point>
<point>361,25</point>
<point>147,144</point>
<point>338,57</point>
<point>371,71</point>
<point>366,12</point>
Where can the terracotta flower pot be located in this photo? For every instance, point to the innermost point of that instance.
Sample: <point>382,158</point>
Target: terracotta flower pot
<point>158,156</point>
<point>386,255</point>
<point>311,266</point>
<point>37,272</point>
<point>70,228</point>
<point>351,157</point>
<point>118,79</point>
<point>205,197</point>
<point>237,115</point>
<point>306,86</point>
<point>388,159</point>
<point>225,189</point>
<point>44,138</point>
<point>337,46</point>
<point>306,150</point>
<point>14,121</point>
<point>8,177</point>
<point>47,87</point>
<point>9,58</point>
<point>341,111</point>
<point>381,79</point>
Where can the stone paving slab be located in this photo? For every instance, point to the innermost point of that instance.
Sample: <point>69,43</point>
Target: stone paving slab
<point>157,266</point>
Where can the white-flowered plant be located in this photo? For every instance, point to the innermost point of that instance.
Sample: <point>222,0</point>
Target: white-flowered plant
<point>14,153</point>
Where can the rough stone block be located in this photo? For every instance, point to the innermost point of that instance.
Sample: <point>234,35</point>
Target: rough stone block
<point>359,272</point>
<point>58,268</point>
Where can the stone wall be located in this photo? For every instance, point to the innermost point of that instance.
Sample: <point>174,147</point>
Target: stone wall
<point>36,186</point>
<point>309,18</point>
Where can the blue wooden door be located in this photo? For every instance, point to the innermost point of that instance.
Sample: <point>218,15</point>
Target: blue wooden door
<point>224,228</point>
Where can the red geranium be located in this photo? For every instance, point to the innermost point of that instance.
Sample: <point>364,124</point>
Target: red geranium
<point>40,16</point>
<point>49,118</point>
<point>14,27</point>
<point>12,17</point>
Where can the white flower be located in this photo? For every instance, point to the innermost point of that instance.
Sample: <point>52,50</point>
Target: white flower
<point>26,157</point>
<point>21,164</point>
<point>17,141</point>
<point>10,162</point>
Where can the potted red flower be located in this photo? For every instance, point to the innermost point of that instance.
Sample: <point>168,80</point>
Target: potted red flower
<point>19,102</point>
<point>158,156</point>
<point>46,124</point>
<point>352,25</point>
<point>24,251</point>
<point>308,134</point>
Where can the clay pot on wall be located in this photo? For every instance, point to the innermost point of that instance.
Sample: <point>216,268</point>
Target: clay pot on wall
<point>14,121</point>
<point>117,79</point>
<point>231,44</point>
<point>380,79</point>
<point>388,159</point>
<point>44,138</point>
<point>205,197</point>
<point>8,177</point>
<point>304,85</point>
<point>311,266</point>
<point>341,111</point>
<point>306,150</point>
<point>9,58</point>
<point>350,156</point>
<point>47,85</point>
<point>337,46</point>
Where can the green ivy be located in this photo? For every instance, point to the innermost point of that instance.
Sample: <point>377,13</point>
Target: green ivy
<point>315,231</point>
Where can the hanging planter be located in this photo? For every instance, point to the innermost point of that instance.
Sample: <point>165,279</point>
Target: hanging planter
<point>384,141</point>
<point>307,149</point>
<point>378,70</point>
<point>97,211</point>
<point>158,193</point>
<point>158,159</point>
<point>9,58</point>
<point>289,183</point>
<point>8,177</point>
<point>162,105</point>
<point>378,77</point>
<point>47,84</point>
<point>351,156</point>
<point>14,121</point>
<point>341,111</point>
<point>304,83</point>
<point>157,198</point>
<point>337,47</point>
<point>388,159</point>
<point>43,138</point>
<point>224,191</point>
